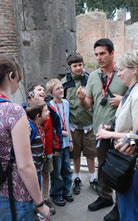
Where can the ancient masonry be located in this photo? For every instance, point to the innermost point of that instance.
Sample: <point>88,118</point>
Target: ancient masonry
<point>8,41</point>
<point>94,25</point>
<point>40,34</point>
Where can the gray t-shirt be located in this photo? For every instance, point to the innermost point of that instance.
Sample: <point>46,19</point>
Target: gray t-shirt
<point>103,114</point>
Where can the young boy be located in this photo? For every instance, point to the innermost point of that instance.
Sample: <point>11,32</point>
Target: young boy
<point>37,112</point>
<point>53,141</point>
<point>80,121</point>
<point>61,176</point>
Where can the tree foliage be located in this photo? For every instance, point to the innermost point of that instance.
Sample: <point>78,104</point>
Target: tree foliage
<point>109,7</point>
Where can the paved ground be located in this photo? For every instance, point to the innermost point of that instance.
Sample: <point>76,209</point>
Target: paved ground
<point>78,210</point>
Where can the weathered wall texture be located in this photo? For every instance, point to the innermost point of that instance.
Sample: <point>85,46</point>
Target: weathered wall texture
<point>93,26</point>
<point>132,34</point>
<point>8,43</point>
<point>46,35</point>
<point>8,40</point>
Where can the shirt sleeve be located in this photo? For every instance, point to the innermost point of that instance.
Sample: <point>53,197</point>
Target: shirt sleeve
<point>89,87</point>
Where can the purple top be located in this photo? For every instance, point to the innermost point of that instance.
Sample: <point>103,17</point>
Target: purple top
<point>10,113</point>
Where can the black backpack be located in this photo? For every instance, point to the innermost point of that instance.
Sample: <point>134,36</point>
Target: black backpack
<point>7,174</point>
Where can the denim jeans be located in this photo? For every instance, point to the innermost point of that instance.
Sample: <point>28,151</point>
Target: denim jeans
<point>24,210</point>
<point>128,202</point>
<point>61,176</point>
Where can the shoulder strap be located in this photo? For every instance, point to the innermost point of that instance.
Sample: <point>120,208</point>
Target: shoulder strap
<point>33,132</point>
<point>8,174</point>
<point>71,83</point>
<point>4,100</point>
<point>68,84</point>
<point>84,79</point>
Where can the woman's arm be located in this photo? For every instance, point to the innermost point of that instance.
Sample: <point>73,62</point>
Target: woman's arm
<point>25,165</point>
<point>106,134</point>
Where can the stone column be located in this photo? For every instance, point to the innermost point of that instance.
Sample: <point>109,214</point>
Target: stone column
<point>8,40</point>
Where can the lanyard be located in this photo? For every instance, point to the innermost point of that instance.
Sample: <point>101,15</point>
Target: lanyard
<point>42,135</point>
<point>104,89</point>
<point>3,96</point>
<point>62,119</point>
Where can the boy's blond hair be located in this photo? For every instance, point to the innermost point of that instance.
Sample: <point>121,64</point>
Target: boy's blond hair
<point>51,84</point>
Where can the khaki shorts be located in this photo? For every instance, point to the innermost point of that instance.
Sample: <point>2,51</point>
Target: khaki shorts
<point>83,143</point>
<point>48,165</point>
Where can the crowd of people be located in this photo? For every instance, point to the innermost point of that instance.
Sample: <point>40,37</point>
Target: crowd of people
<point>79,114</point>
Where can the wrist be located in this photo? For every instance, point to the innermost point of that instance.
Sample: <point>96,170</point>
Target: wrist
<point>37,205</point>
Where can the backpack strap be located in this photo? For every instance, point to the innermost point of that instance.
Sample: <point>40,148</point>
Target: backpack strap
<point>10,185</point>
<point>8,174</point>
<point>33,131</point>
<point>71,83</point>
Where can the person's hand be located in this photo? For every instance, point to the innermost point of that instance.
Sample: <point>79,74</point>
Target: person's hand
<point>103,134</point>
<point>81,93</point>
<point>71,146</point>
<point>125,149</point>
<point>115,101</point>
<point>105,126</point>
<point>44,210</point>
<point>65,133</point>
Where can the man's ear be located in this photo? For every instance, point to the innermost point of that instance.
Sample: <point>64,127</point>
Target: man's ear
<point>11,75</point>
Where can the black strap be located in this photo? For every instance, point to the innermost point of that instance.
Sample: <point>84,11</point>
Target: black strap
<point>71,83</point>
<point>103,78</point>
<point>10,185</point>
<point>8,174</point>
<point>10,190</point>
<point>127,94</point>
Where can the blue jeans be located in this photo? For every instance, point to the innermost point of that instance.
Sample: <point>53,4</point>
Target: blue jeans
<point>128,202</point>
<point>61,176</point>
<point>24,210</point>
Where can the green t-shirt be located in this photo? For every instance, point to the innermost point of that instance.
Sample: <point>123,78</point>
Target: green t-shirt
<point>78,115</point>
<point>103,114</point>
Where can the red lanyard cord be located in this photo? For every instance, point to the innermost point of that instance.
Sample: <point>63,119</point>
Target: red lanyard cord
<point>62,119</point>
<point>104,89</point>
<point>3,96</point>
<point>42,135</point>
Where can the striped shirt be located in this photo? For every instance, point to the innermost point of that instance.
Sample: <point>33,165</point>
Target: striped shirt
<point>37,151</point>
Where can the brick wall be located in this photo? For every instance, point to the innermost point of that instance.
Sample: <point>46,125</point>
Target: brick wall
<point>93,26</point>
<point>8,43</point>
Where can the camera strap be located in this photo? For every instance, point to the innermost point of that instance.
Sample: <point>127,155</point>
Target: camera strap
<point>104,86</point>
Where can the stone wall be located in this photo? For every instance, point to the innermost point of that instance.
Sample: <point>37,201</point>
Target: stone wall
<point>8,39</point>
<point>46,32</point>
<point>93,26</point>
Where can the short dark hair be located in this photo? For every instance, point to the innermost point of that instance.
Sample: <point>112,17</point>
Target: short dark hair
<point>35,107</point>
<point>74,58</point>
<point>34,85</point>
<point>105,42</point>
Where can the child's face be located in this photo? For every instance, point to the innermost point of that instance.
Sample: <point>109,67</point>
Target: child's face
<point>77,68</point>
<point>39,93</point>
<point>45,113</point>
<point>58,91</point>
